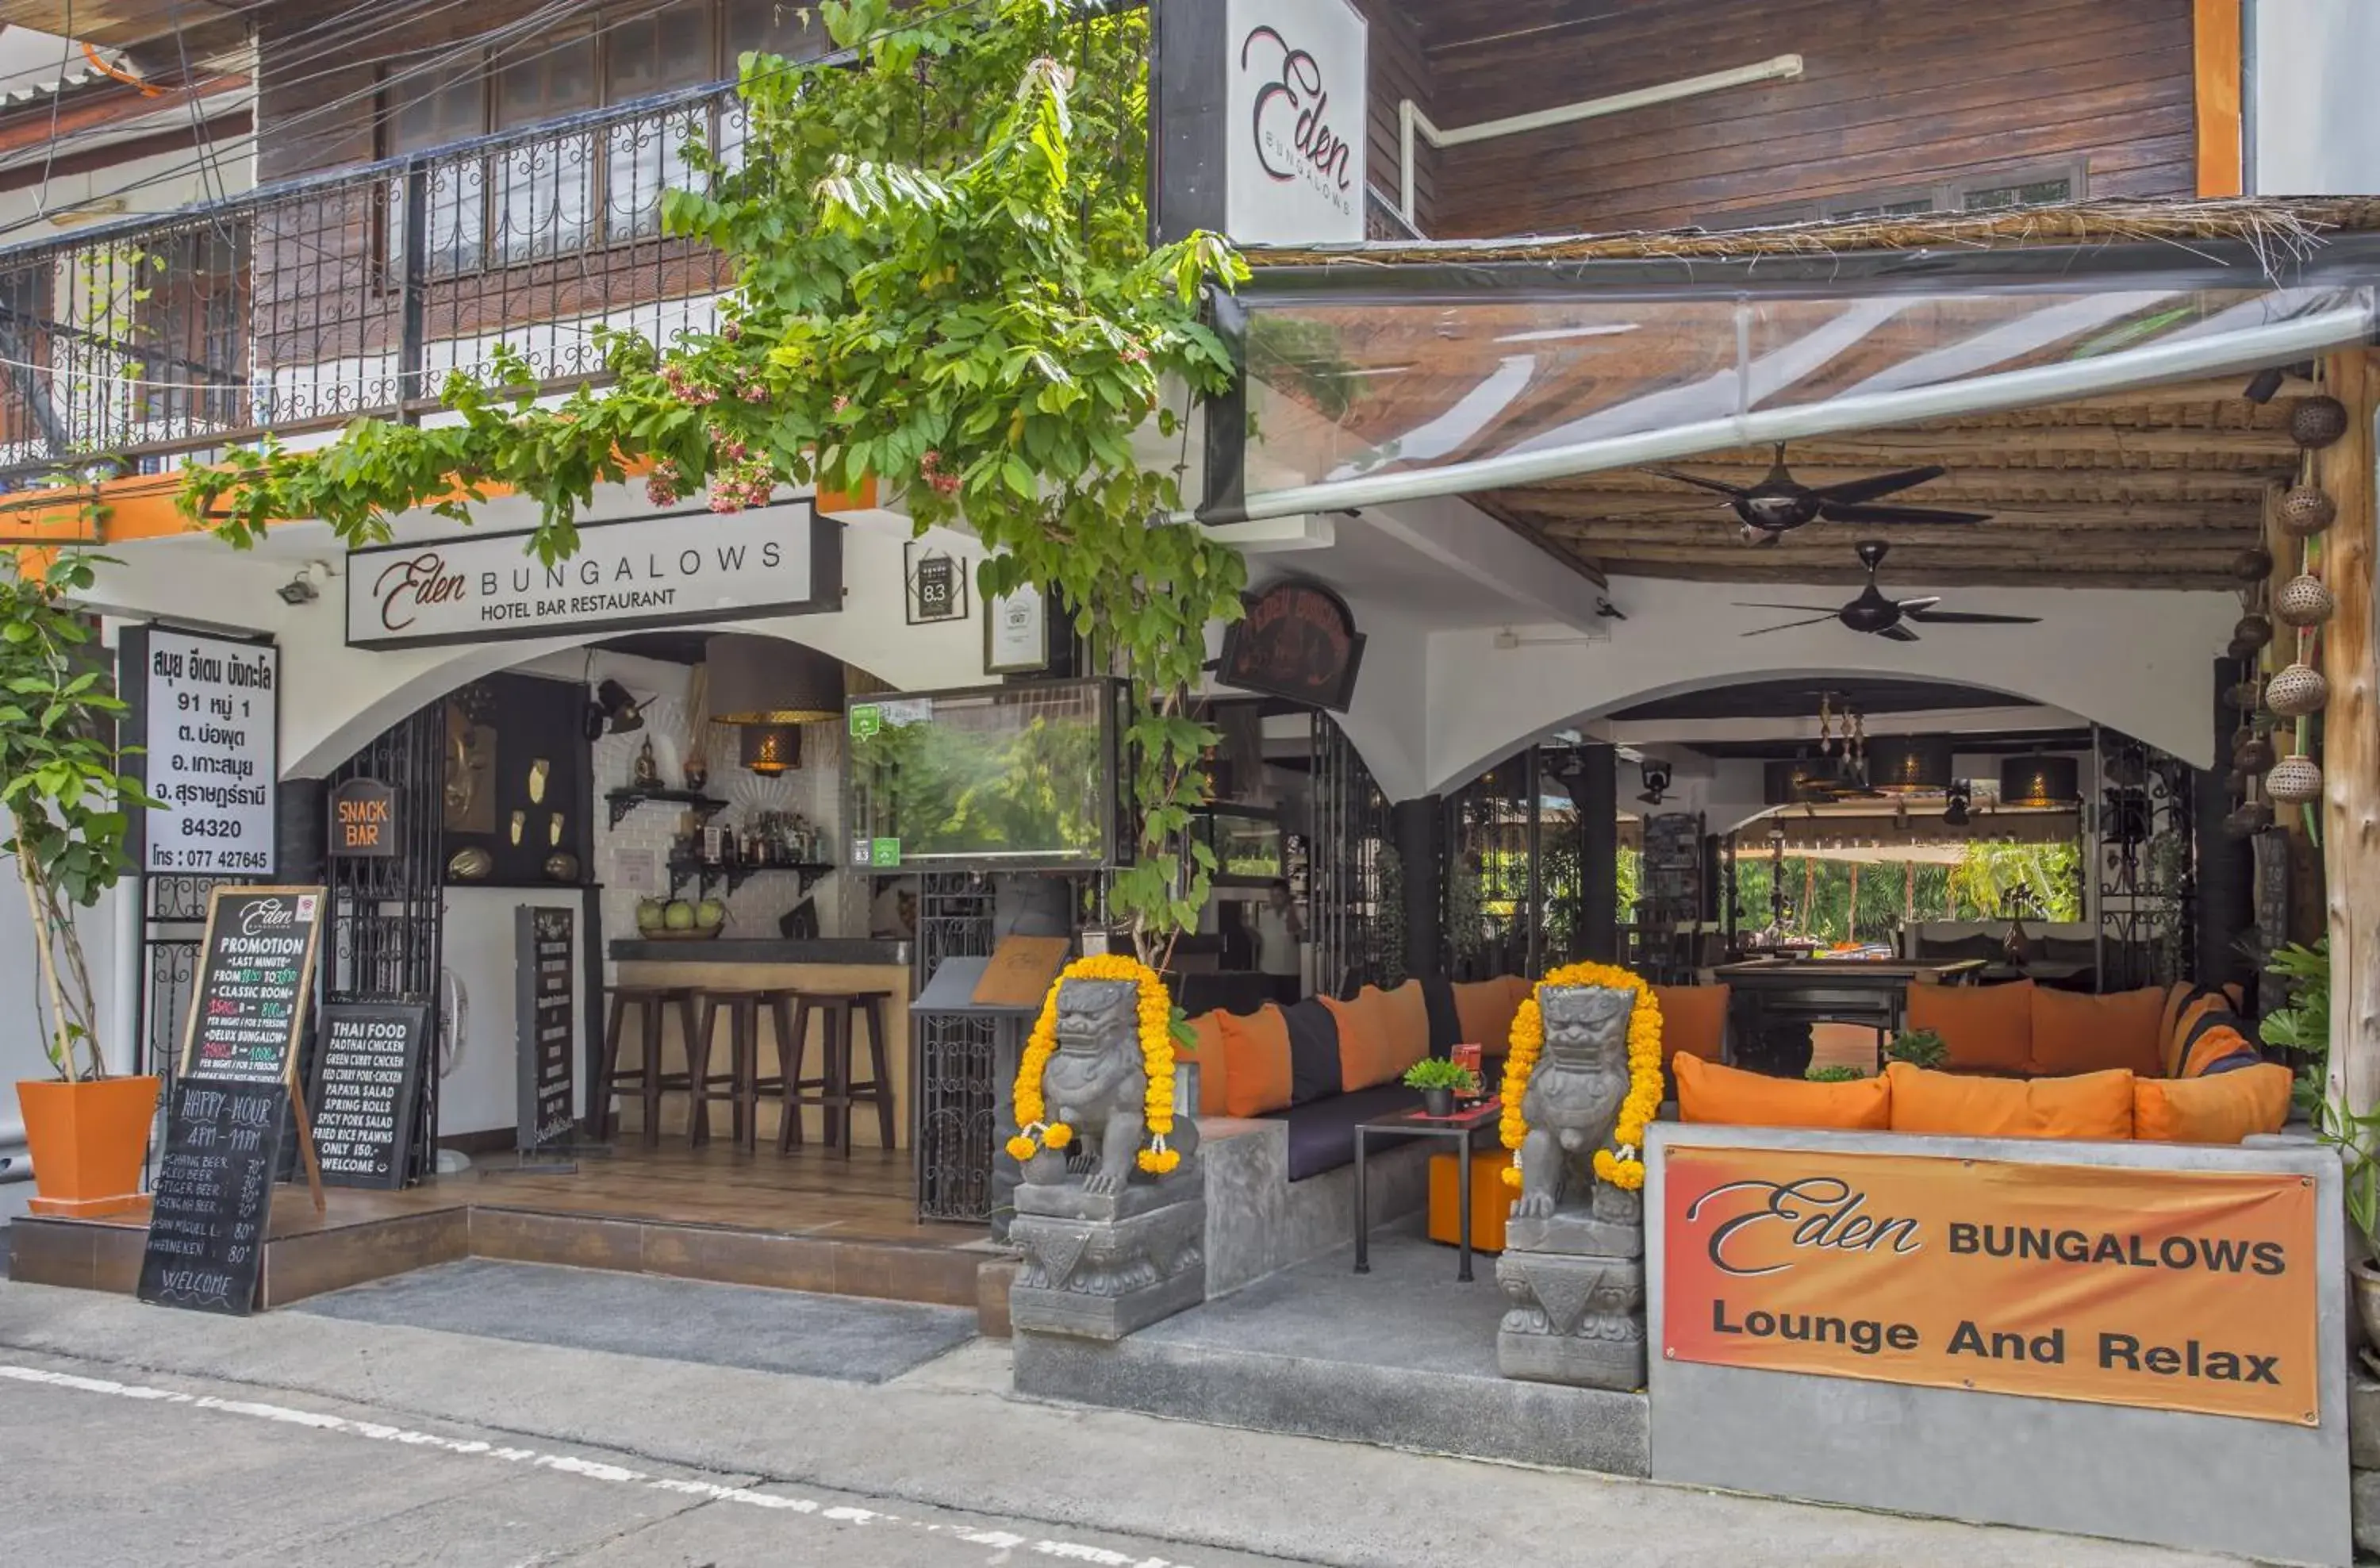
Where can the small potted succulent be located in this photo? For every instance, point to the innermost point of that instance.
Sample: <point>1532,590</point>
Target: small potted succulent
<point>1439,1080</point>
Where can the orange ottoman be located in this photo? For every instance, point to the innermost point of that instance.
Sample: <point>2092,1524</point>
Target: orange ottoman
<point>1491,1200</point>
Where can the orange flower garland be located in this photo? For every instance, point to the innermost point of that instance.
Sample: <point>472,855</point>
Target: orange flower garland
<point>1156,1020</point>
<point>1621,1165</point>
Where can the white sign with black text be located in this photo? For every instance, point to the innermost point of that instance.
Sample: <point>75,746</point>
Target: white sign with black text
<point>209,713</point>
<point>646,572</point>
<point>1295,104</point>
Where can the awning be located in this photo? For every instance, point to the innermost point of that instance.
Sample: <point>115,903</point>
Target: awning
<point>1371,383</point>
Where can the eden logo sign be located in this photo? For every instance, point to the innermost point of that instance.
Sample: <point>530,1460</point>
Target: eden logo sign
<point>1296,107</point>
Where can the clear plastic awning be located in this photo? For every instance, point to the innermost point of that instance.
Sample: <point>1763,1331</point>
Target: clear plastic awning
<point>1368,383</point>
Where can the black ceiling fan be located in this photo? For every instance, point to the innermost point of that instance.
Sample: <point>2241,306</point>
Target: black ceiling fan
<point>1780,503</point>
<point>1873,612</point>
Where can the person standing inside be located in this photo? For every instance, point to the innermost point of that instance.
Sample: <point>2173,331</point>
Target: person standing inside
<point>1280,928</point>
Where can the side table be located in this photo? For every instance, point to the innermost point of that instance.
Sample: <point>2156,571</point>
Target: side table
<point>1459,1129</point>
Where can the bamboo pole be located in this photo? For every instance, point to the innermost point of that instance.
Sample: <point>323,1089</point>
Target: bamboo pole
<point>2351,763</point>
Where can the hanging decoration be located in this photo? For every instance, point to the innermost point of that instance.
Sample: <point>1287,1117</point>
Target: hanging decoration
<point>2294,781</point>
<point>2315,422</point>
<point>2250,635</point>
<point>2297,691</point>
<point>2306,511</point>
<point>2303,600</point>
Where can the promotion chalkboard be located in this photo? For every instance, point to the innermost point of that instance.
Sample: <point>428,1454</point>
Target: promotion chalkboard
<point>211,1208</point>
<point>366,1081</point>
<point>256,971</point>
<point>546,1001</point>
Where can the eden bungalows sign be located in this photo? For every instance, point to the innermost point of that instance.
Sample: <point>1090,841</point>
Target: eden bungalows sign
<point>686,568</point>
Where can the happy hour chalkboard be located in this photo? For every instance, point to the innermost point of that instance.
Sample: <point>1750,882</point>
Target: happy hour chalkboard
<point>367,1079</point>
<point>546,1002</point>
<point>256,970</point>
<point>212,1206</point>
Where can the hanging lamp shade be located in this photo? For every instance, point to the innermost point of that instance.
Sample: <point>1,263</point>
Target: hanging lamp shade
<point>768,749</point>
<point>766,680</point>
<point>1909,764</point>
<point>2039,780</point>
<point>1797,779</point>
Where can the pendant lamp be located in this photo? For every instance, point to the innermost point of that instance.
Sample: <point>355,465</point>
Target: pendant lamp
<point>1909,764</point>
<point>2041,781</point>
<point>765,686</point>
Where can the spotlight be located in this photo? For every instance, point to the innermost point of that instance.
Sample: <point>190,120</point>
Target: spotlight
<point>299,589</point>
<point>2263,385</point>
<point>1957,799</point>
<point>618,708</point>
<point>1655,776</point>
<point>1608,611</point>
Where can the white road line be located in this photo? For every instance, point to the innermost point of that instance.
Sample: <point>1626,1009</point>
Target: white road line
<point>592,1469</point>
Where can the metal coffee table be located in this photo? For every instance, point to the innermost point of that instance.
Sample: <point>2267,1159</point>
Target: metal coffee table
<point>1459,1129</point>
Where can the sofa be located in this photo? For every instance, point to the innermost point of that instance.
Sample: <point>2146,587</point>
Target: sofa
<point>2171,1064</point>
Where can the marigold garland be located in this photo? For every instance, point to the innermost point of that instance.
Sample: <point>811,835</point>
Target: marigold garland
<point>1622,1164</point>
<point>1156,1017</point>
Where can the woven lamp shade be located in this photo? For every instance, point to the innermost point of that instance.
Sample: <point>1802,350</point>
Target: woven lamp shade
<point>1907,764</point>
<point>1798,779</point>
<point>765,680</point>
<point>2039,780</point>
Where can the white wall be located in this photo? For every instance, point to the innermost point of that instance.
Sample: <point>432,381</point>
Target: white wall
<point>2313,121</point>
<point>482,1092</point>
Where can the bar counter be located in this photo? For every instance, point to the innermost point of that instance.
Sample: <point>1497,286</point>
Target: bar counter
<point>732,963</point>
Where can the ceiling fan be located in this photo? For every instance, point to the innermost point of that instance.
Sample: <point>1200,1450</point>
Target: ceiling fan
<point>1780,502</point>
<point>1873,612</point>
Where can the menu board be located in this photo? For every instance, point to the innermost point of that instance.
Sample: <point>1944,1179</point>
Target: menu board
<point>547,1006</point>
<point>367,1082</point>
<point>204,725</point>
<point>211,1208</point>
<point>256,971</point>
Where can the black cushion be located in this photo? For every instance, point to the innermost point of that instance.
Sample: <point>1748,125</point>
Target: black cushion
<point>1445,1023</point>
<point>1228,992</point>
<point>1313,1051</point>
<point>1322,1135</point>
<point>1957,949</point>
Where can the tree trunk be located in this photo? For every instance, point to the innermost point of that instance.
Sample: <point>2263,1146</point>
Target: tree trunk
<point>2350,764</point>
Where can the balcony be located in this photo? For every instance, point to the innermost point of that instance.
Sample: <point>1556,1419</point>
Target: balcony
<point>300,307</point>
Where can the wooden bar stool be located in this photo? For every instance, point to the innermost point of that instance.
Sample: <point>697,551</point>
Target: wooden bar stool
<point>778,1004</point>
<point>733,1085</point>
<point>836,1094</point>
<point>646,1078</point>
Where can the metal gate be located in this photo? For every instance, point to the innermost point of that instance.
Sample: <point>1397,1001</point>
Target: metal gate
<point>1356,908</point>
<point>2145,873</point>
<point>382,943</point>
<point>953,1066</point>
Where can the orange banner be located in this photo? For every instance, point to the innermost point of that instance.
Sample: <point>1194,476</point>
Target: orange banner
<point>2174,1290</point>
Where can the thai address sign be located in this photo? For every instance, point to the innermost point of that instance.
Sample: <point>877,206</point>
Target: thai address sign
<point>204,722</point>
<point>2168,1289</point>
<point>647,572</point>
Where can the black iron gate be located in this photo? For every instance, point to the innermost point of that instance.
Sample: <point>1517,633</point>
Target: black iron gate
<point>2145,882</point>
<point>1355,909</point>
<point>382,943</point>
<point>953,1065</point>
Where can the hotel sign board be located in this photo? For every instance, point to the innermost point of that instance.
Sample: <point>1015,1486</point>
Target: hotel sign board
<point>1262,120</point>
<point>2163,1289</point>
<point>683,568</point>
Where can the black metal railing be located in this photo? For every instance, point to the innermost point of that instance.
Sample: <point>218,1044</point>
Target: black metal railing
<point>305,304</point>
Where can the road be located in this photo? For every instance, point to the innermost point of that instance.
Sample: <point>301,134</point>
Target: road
<point>131,1435</point>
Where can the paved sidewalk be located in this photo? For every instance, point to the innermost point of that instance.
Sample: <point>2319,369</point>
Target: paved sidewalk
<point>944,1438</point>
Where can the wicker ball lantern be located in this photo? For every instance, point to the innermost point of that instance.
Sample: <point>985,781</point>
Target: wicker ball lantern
<point>2251,818</point>
<point>2247,696</point>
<point>2317,422</point>
<point>2253,565</point>
<point>2250,635</point>
<point>2294,781</point>
<point>2297,691</point>
<point>2254,754</point>
<point>2306,511</point>
<point>2304,601</point>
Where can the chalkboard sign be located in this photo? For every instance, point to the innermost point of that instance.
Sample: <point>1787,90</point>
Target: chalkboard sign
<point>212,1205</point>
<point>541,938</point>
<point>366,1081</point>
<point>256,971</point>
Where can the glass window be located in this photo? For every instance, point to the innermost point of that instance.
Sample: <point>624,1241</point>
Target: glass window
<point>772,27</point>
<point>545,188</point>
<point>433,108</point>
<point>655,53</point>
<point>546,78</point>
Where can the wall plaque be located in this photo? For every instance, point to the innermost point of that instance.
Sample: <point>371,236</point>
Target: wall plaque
<point>1297,641</point>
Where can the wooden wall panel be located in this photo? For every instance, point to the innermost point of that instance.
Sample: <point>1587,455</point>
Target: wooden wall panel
<point>1399,70</point>
<point>1894,94</point>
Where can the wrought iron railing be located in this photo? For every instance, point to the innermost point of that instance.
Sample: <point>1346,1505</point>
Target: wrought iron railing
<point>305,304</point>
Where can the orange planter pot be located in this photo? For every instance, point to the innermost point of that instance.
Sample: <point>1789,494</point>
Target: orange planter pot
<point>88,1141</point>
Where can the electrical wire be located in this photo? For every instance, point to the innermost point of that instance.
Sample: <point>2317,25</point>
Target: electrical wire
<point>57,102</point>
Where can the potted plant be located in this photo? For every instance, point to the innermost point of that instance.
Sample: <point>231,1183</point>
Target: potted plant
<point>2304,1026</point>
<point>66,810</point>
<point>1439,1080</point>
<point>1919,1048</point>
<point>1835,1073</point>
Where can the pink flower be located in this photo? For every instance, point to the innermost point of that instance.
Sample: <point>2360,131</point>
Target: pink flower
<point>732,332</point>
<point>930,462</point>
<point>660,494</point>
<point>755,393</point>
<point>840,403</point>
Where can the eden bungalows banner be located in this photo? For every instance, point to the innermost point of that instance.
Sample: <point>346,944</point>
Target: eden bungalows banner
<point>2167,1289</point>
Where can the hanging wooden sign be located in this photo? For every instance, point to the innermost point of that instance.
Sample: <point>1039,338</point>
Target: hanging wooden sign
<point>363,821</point>
<point>1297,641</point>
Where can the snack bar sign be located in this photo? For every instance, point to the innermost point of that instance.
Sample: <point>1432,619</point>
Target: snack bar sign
<point>698,567</point>
<point>2172,1290</point>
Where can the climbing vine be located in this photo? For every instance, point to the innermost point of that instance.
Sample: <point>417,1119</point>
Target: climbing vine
<point>942,284</point>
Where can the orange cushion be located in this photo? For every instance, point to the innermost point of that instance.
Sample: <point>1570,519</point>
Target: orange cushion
<point>2200,1031</point>
<point>1693,1019</point>
<point>1256,1058</point>
<point>1731,1097</point>
<point>1214,1066</point>
<point>1408,1015</point>
<point>1987,1028</point>
<point>1365,1053</point>
<point>2073,1033</point>
<point>1484,1009</point>
<point>1491,1200</point>
<point>2095,1105</point>
<point>2223,1108</point>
